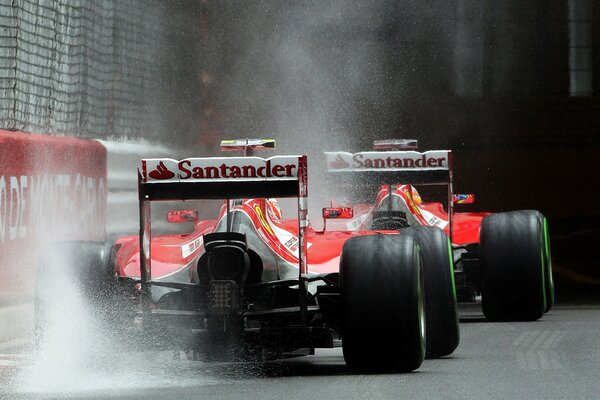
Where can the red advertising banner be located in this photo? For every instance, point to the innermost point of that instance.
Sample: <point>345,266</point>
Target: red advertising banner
<point>51,188</point>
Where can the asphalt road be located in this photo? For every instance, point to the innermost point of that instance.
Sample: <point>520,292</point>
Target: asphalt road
<point>557,357</point>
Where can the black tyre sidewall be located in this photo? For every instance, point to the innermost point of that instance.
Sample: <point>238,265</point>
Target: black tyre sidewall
<point>512,266</point>
<point>548,276</point>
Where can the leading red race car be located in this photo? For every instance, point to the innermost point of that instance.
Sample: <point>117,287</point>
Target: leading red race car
<point>502,259</point>
<point>250,284</point>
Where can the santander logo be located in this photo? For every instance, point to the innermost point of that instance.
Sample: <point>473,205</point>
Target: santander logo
<point>339,163</point>
<point>391,160</point>
<point>269,170</point>
<point>161,172</point>
<point>213,168</point>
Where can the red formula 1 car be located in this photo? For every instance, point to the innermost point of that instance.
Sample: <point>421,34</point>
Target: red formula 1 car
<point>502,259</point>
<point>250,284</point>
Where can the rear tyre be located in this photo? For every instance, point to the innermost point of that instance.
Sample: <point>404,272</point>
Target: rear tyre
<point>83,266</point>
<point>383,310</point>
<point>443,332</point>
<point>513,267</point>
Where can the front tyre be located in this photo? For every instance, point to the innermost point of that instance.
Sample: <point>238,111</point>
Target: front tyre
<point>383,310</point>
<point>513,267</point>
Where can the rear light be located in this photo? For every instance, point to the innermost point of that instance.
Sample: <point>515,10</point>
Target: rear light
<point>223,297</point>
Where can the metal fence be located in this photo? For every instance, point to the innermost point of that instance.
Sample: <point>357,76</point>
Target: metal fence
<point>92,68</point>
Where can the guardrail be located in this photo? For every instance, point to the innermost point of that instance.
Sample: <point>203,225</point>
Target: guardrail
<point>59,188</point>
<point>51,188</point>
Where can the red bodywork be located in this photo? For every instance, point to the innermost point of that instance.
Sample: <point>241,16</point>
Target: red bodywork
<point>277,240</point>
<point>171,253</point>
<point>465,226</point>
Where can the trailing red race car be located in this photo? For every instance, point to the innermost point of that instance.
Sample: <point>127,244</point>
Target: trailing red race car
<point>502,259</point>
<point>250,284</point>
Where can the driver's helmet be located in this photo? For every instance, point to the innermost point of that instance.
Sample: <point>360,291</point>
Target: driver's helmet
<point>273,209</point>
<point>394,212</point>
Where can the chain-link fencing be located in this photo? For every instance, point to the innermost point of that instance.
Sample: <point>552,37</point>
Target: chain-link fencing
<point>96,68</point>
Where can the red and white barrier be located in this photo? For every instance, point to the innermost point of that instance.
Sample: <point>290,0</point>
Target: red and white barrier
<point>51,188</point>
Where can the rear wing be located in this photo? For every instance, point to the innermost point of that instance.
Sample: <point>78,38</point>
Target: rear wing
<point>228,178</point>
<point>433,167</point>
<point>222,178</point>
<point>391,167</point>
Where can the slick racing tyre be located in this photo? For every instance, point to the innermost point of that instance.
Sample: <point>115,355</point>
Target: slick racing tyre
<point>513,269</point>
<point>443,332</point>
<point>383,310</point>
<point>73,272</point>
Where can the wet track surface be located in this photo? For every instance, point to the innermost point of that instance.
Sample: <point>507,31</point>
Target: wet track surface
<point>555,358</point>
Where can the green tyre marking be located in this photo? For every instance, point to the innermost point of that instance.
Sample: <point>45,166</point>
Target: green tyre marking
<point>543,264</point>
<point>548,267</point>
<point>451,258</point>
